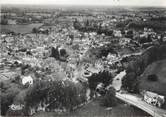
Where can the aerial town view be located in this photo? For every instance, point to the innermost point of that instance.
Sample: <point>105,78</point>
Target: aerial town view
<point>89,58</point>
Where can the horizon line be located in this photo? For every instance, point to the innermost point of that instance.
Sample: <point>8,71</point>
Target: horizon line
<point>3,4</point>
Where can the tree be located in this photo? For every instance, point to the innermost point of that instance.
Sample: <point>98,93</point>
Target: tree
<point>8,91</point>
<point>129,34</point>
<point>36,93</point>
<point>109,99</point>
<point>4,21</point>
<point>104,77</point>
<point>35,30</point>
<point>152,77</point>
<point>63,52</point>
<point>130,82</point>
<point>54,52</point>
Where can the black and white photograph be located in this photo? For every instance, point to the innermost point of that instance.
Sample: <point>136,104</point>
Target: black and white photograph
<point>83,58</point>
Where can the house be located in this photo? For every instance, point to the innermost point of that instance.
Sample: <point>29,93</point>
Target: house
<point>100,90</point>
<point>82,79</point>
<point>117,33</point>
<point>12,22</point>
<point>124,41</point>
<point>27,79</point>
<point>15,110</point>
<point>16,107</point>
<point>87,74</point>
<point>112,58</point>
<point>99,86</point>
<point>164,39</point>
<point>153,98</point>
<point>3,35</point>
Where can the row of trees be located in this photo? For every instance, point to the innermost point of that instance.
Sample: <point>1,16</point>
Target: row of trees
<point>51,95</point>
<point>36,31</point>
<point>135,68</point>
<point>156,25</point>
<point>160,19</point>
<point>57,94</point>
<point>89,27</point>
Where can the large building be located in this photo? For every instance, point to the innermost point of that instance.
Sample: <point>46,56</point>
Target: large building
<point>153,98</point>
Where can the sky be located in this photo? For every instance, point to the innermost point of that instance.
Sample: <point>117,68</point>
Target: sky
<point>89,2</point>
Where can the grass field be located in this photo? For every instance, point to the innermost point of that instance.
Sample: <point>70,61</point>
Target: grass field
<point>158,68</point>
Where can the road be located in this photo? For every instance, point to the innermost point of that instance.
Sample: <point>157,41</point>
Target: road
<point>135,54</point>
<point>138,102</point>
<point>126,55</point>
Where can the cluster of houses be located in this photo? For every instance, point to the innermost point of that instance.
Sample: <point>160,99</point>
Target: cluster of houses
<point>85,41</point>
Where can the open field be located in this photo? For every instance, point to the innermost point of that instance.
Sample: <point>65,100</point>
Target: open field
<point>158,68</point>
<point>19,28</point>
